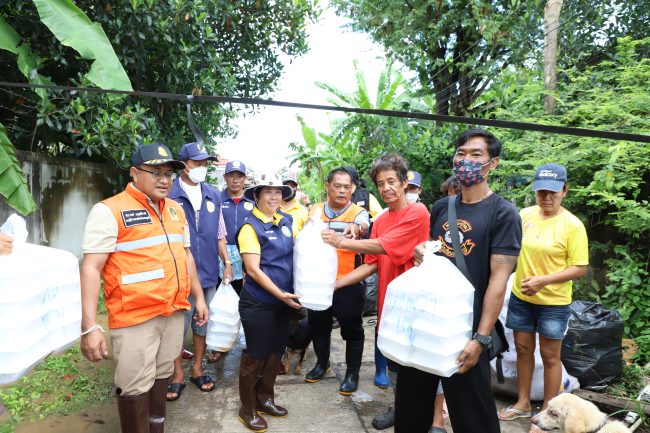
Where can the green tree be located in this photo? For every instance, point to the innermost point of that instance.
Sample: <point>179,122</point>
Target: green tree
<point>222,48</point>
<point>357,139</point>
<point>73,28</point>
<point>458,47</point>
<point>609,180</point>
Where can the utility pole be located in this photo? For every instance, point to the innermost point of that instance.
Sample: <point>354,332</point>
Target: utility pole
<point>551,24</point>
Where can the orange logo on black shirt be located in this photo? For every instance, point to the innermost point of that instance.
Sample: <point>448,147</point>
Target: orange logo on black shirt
<point>466,244</point>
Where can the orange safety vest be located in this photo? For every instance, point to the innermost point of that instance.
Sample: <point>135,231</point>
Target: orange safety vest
<point>346,257</point>
<point>147,275</point>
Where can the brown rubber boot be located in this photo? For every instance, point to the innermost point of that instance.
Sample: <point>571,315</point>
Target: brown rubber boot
<point>265,393</point>
<point>158,406</point>
<point>249,368</point>
<point>134,413</point>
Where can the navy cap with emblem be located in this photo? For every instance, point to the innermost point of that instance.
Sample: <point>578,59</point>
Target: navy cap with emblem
<point>550,177</point>
<point>155,154</point>
<point>195,152</point>
<point>235,166</point>
<point>414,178</point>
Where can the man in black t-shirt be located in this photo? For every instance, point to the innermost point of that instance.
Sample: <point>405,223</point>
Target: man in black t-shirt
<point>490,237</point>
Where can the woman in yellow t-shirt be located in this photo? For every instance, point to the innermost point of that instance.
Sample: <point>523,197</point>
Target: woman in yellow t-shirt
<point>554,252</point>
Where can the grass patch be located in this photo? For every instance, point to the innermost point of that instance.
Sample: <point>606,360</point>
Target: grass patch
<point>59,385</point>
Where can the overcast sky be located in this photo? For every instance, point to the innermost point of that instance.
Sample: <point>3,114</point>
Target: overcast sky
<point>264,136</point>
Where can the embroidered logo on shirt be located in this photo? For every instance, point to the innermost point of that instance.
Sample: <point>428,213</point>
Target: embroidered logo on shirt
<point>466,244</point>
<point>286,231</point>
<point>209,206</point>
<point>135,217</point>
<point>248,205</point>
<point>172,214</point>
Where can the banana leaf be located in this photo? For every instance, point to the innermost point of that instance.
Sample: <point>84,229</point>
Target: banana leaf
<point>74,29</point>
<point>27,62</point>
<point>12,180</point>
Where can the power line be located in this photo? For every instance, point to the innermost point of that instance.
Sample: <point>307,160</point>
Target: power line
<point>524,126</point>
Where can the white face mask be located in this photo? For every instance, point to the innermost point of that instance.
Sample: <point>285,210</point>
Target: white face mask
<point>298,195</point>
<point>412,197</point>
<point>198,174</point>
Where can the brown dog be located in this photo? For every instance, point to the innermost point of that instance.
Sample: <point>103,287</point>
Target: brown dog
<point>297,344</point>
<point>571,414</point>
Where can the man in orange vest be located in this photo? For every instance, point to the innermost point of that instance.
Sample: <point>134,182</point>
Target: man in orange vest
<point>138,242</point>
<point>351,221</point>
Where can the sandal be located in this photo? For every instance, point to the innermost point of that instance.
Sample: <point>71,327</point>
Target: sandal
<point>176,388</point>
<point>204,380</point>
<point>510,413</point>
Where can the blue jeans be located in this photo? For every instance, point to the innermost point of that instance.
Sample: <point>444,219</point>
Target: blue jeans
<point>549,321</point>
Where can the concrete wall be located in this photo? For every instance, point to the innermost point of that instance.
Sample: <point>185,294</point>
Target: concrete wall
<point>64,191</point>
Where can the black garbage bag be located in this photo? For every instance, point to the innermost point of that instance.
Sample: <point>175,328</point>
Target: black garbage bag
<point>591,349</point>
<point>370,303</point>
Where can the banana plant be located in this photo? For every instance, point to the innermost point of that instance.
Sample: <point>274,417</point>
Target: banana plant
<point>74,29</point>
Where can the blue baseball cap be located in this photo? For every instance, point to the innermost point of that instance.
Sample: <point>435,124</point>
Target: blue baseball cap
<point>414,178</point>
<point>550,177</point>
<point>155,154</point>
<point>195,152</point>
<point>235,166</point>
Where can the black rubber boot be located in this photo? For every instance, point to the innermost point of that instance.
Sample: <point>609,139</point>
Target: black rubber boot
<point>384,420</point>
<point>157,406</point>
<point>353,354</point>
<point>134,413</point>
<point>322,349</point>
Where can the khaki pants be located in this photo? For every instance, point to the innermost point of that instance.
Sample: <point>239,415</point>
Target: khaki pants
<point>146,352</point>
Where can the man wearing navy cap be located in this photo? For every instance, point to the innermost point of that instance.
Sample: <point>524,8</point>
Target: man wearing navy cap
<point>202,205</point>
<point>235,208</point>
<point>414,187</point>
<point>139,242</point>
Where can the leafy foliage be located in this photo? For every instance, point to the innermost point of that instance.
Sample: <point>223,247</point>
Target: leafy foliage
<point>12,180</point>
<point>609,180</point>
<point>60,385</point>
<point>223,48</point>
<point>457,48</point>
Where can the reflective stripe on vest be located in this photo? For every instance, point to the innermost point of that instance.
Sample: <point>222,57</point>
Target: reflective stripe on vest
<point>143,276</point>
<point>148,242</point>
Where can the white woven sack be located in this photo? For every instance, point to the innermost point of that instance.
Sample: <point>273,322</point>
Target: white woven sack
<point>223,320</point>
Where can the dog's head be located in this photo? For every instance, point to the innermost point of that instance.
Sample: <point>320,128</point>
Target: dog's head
<point>570,414</point>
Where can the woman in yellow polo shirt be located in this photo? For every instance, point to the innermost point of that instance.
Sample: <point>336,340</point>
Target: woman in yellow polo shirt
<point>266,246</point>
<point>554,252</point>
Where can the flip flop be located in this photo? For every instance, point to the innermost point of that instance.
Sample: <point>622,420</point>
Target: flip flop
<point>510,413</point>
<point>204,380</point>
<point>176,388</point>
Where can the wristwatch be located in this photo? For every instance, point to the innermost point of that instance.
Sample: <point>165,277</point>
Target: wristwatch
<point>485,340</point>
<point>228,262</point>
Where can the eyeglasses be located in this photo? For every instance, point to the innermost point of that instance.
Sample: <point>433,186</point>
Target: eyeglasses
<point>157,175</point>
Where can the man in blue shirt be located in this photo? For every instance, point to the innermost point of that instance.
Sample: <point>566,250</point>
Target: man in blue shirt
<point>202,205</point>
<point>235,208</point>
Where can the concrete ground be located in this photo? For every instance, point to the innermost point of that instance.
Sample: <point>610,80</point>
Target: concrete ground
<point>316,407</point>
<point>313,408</point>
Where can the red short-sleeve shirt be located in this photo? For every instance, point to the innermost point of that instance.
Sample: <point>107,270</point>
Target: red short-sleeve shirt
<point>398,232</point>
